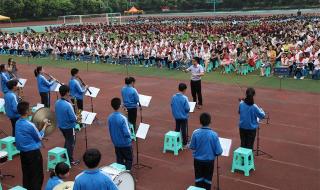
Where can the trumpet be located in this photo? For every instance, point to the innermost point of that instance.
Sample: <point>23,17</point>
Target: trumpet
<point>83,84</point>
<point>52,78</point>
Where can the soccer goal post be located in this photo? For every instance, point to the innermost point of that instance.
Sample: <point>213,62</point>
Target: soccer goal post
<point>108,18</point>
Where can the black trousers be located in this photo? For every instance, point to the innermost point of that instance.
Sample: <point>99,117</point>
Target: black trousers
<point>13,124</point>
<point>203,171</point>
<point>124,156</point>
<point>79,104</point>
<point>247,138</point>
<point>45,99</point>
<point>181,126</point>
<point>32,169</point>
<point>196,91</point>
<point>132,116</point>
<point>69,141</point>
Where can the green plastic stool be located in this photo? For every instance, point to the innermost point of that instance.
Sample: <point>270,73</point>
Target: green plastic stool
<point>133,134</point>
<point>0,186</point>
<point>195,188</point>
<point>243,69</point>
<point>228,68</point>
<point>8,142</point>
<point>119,167</point>
<point>17,188</point>
<point>250,69</point>
<point>243,160</point>
<point>268,72</point>
<point>2,110</point>
<point>258,64</point>
<point>57,154</point>
<point>173,142</point>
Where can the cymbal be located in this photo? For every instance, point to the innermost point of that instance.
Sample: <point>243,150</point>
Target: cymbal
<point>40,115</point>
<point>68,185</point>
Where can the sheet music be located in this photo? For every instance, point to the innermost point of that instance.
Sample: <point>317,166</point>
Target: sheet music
<point>55,87</point>
<point>87,117</point>
<point>1,102</point>
<point>94,92</point>
<point>144,100</point>
<point>142,130</point>
<point>22,82</point>
<point>225,145</point>
<point>192,105</point>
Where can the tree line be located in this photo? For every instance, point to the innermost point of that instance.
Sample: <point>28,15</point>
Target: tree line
<point>31,9</point>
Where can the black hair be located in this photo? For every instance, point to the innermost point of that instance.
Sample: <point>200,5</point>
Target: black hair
<point>250,92</point>
<point>2,67</point>
<point>182,87</point>
<point>63,90</point>
<point>60,169</point>
<point>74,71</point>
<point>37,71</point>
<point>11,83</point>
<point>115,103</point>
<point>205,119</point>
<point>23,107</point>
<point>127,80</point>
<point>197,59</point>
<point>92,158</point>
<point>10,60</point>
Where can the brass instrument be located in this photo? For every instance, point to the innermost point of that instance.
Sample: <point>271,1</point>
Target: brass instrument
<point>83,84</point>
<point>77,111</point>
<point>20,89</point>
<point>52,78</point>
<point>39,117</point>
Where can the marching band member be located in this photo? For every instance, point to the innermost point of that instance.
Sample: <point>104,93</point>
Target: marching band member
<point>77,91</point>
<point>196,72</point>
<point>120,135</point>
<point>66,121</point>
<point>11,102</point>
<point>93,178</point>
<point>5,77</point>
<point>206,146</point>
<point>130,100</point>
<point>43,86</point>
<point>249,113</point>
<point>28,142</point>
<point>180,111</point>
<point>61,171</point>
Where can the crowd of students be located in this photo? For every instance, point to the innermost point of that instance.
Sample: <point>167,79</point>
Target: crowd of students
<point>256,41</point>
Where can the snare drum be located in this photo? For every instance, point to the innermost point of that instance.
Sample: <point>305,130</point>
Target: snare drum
<point>123,179</point>
<point>3,156</point>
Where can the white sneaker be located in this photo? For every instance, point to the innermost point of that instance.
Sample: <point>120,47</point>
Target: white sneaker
<point>295,77</point>
<point>301,78</point>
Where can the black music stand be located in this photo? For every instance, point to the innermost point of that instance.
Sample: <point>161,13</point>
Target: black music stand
<point>226,145</point>
<point>258,151</point>
<point>88,120</point>
<point>138,165</point>
<point>94,93</point>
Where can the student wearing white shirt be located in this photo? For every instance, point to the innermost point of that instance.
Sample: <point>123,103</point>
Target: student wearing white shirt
<point>316,71</point>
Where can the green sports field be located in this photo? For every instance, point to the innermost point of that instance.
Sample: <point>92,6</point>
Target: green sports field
<point>252,79</point>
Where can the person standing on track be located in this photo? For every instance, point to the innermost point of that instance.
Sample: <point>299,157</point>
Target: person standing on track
<point>248,123</point>
<point>196,72</point>
<point>180,111</point>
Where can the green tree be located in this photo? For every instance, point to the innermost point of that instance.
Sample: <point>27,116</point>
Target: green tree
<point>13,8</point>
<point>33,8</point>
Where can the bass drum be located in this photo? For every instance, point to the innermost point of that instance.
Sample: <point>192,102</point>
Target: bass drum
<point>123,179</point>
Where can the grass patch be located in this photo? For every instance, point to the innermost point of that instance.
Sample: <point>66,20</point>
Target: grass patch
<point>251,79</point>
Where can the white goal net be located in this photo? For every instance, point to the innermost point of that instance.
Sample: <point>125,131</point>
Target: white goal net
<point>108,18</point>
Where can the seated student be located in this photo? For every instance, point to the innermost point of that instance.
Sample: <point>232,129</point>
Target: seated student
<point>93,178</point>
<point>60,172</point>
<point>316,71</point>
<point>265,64</point>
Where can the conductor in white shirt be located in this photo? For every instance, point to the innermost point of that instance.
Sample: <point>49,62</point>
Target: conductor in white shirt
<point>196,72</point>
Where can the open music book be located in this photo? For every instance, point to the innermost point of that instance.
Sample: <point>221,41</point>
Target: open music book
<point>87,117</point>
<point>225,145</point>
<point>144,100</point>
<point>22,82</point>
<point>94,92</point>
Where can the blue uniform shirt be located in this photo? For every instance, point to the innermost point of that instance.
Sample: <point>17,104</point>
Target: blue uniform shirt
<point>180,106</point>
<point>52,182</point>
<point>65,116</point>
<point>94,180</point>
<point>249,115</point>
<point>76,90</point>
<point>27,136</point>
<point>205,144</point>
<point>119,130</point>
<point>43,84</point>
<point>4,79</point>
<point>130,96</point>
<point>10,105</point>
